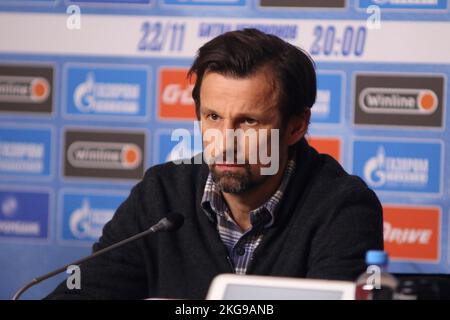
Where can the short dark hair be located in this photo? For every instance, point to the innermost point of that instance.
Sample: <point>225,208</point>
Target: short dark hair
<point>244,52</point>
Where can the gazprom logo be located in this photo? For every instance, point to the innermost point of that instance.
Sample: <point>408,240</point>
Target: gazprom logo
<point>399,166</point>
<point>380,170</point>
<point>9,206</point>
<point>106,90</point>
<point>98,97</point>
<point>14,227</point>
<point>24,214</point>
<point>85,213</point>
<point>398,101</point>
<point>25,152</point>
<point>105,155</point>
<point>87,223</point>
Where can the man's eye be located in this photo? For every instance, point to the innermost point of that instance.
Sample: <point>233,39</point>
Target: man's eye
<point>213,117</point>
<point>250,121</point>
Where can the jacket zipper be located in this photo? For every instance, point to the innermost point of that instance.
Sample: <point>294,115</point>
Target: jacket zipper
<point>231,264</point>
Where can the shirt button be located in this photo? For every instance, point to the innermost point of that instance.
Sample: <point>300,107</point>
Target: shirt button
<point>240,251</point>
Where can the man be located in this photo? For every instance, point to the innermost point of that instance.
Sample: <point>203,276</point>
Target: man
<point>309,218</point>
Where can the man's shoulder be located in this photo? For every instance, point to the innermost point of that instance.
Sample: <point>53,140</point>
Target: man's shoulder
<point>330,176</point>
<point>332,190</point>
<point>169,187</point>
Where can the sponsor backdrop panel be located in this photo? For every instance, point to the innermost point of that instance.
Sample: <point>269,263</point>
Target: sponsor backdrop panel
<point>89,101</point>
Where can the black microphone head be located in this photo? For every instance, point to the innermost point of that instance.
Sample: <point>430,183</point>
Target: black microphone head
<point>172,222</point>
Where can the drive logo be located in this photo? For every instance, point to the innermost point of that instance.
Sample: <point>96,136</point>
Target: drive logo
<point>24,215</point>
<point>327,108</point>
<point>25,152</point>
<point>399,100</point>
<point>26,89</point>
<point>175,95</point>
<point>399,166</point>
<point>405,4</point>
<point>330,146</point>
<point>84,215</point>
<point>412,233</point>
<point>106,91</point>
<point>101,154</point>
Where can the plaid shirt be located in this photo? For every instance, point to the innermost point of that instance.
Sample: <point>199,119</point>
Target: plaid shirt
<point>242,244</point>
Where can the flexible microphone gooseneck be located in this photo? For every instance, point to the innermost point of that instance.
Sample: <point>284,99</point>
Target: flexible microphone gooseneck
<point>170,223</point>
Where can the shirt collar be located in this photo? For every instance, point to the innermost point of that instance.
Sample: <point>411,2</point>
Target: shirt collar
<point>213,203</point>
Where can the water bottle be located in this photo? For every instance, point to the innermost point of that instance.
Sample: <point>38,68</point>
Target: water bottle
<point>376,283</point>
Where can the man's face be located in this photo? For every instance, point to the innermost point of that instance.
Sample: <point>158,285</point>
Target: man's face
<point>248,104</point>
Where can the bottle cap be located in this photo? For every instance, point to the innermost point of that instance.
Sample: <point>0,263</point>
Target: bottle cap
<point>376,257</point>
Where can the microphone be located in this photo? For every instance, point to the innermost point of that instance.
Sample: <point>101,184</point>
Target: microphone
<point>172,222</point>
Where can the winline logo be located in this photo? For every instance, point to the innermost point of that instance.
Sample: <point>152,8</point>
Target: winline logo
<point>23,89</point>
<point>398,101</point>
<point>89,154</point>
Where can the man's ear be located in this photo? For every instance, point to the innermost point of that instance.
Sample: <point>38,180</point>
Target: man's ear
<point>298,126</point>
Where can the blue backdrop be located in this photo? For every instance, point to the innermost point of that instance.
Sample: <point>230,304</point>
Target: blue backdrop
<point>86,78</point>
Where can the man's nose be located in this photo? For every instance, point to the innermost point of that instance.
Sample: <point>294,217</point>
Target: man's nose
<point>228,124</point>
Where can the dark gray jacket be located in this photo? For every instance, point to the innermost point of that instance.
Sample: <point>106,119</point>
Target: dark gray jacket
<point>326,222</point>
